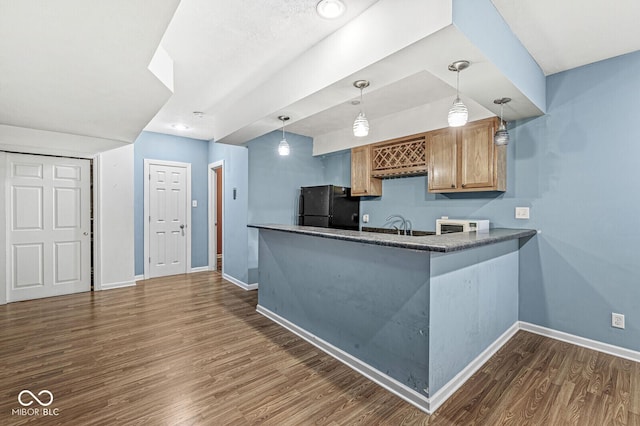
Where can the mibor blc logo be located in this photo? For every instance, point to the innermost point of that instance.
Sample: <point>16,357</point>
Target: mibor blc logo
<point>44,399</point>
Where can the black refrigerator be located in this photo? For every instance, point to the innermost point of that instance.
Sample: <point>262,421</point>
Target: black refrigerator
<point>328,206</point>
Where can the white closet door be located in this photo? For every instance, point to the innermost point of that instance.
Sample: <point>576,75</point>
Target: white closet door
<point>49,226</point>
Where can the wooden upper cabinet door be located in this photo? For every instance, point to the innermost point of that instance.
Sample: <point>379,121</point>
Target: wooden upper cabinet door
<point>477,156</point>
<point>362,184</point>
<point>443,155</point>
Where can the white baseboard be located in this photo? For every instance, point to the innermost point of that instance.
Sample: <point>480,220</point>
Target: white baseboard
<point>239,283</point>
<point>582,341</point>
<point>193,271</point>
<point>122,284</point>
<point>387,382</point>
<point>431,404</point>
<point>438,398</point>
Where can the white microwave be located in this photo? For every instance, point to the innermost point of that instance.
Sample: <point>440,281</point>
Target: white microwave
<point>448,226</point>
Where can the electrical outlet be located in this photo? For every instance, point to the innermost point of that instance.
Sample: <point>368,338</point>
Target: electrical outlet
<point>365,218</point>
<point>522,212</point>
<point>617,320</point>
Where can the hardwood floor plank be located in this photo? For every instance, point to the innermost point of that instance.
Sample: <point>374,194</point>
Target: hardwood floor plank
<point>634,395</point>
<point>191,350</point>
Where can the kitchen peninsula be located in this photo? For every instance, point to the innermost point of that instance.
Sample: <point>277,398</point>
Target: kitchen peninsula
<point>416,314</point>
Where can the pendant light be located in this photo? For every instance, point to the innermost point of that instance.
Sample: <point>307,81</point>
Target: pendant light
<point>283,147</point>
<point>458,113</point>
<point>502,136</point>
<point>361,124</point>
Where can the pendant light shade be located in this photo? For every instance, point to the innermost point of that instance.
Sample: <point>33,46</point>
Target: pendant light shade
<point>458,113</point>
<point>361,124</point>
<point>502,135</point>
<point>283,147</point>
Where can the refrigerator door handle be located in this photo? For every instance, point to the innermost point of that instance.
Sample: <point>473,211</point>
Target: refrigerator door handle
<point>301,204</point>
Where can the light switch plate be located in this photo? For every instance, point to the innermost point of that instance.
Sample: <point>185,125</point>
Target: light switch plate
<point>522,212</point>
<point>194,203</point>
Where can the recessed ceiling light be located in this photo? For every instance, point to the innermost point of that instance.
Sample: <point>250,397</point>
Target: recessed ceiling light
<point>330,9</point>
<point>180,126</point>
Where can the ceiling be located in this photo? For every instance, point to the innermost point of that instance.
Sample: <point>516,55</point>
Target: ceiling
<point>224,49</point>
<point>80,66</point>
<point>561,35</point>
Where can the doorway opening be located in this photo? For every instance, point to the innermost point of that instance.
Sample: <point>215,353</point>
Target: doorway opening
<point>216,216</point>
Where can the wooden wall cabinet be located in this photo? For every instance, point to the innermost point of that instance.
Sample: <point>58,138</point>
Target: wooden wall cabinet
<point>465,159</point>
<point>362,183</point>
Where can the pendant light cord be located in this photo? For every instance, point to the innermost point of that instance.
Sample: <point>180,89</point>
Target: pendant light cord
<point>361,103</point>
<point>458,84</point>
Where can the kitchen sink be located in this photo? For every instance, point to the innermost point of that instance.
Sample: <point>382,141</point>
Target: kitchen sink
<point>415,233</point>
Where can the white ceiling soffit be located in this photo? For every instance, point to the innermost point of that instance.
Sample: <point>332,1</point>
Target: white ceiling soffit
<point>412,77</point>
<point>400,95</point>
<point>222,50</point>
<point>561,35</point>
<point>433,92</point>
<point>308,85</point>
<point>79,67</point>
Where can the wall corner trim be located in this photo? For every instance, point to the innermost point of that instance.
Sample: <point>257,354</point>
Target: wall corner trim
<point>239,283</point>
<point>465,374</point>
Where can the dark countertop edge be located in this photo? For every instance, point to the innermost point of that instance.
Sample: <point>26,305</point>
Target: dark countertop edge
<point>436,243</point>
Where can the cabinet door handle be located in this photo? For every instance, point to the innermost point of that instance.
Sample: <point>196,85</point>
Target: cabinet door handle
<point>453,185</point>
<point>464,185</point>
<point>365,190</point>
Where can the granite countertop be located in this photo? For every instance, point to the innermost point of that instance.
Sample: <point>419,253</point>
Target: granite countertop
<point>438,243</point>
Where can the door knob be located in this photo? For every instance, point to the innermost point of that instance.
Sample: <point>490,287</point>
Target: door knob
<point>85,233</point>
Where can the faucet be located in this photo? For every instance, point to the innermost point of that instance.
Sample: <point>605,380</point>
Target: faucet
<point>401,219</point>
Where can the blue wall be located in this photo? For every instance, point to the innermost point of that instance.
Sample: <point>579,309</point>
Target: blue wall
<point>578,166</point>
<point>275,181</point>
<point>575,167</point>
<point>235,244</point>
<point>158,146</point>
<point>337,168</point>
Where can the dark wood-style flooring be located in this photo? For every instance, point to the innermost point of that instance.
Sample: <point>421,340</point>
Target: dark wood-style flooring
<point>191,350</point>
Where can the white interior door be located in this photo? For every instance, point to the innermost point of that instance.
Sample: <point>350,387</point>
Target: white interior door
<point>168,218</point>
<point>48,213</point>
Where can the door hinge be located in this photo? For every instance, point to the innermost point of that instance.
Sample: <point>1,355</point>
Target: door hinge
<point>149,176</point>
<point>149,259</point>
<point>149,218</point>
